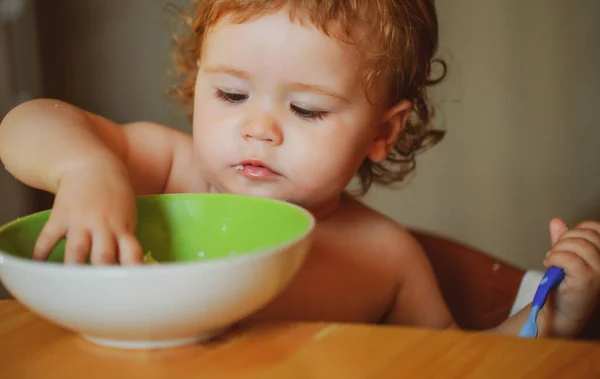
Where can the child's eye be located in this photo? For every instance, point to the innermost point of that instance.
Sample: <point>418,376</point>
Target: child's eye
<point>308,115</point>
<point>230,97</point>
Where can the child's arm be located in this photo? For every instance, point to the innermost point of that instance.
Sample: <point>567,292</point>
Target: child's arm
<point>577,252</point>
<point>43,140</point>
<point>95,167</point>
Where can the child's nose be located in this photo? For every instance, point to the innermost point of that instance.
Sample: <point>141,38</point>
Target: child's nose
<point>264,129</point>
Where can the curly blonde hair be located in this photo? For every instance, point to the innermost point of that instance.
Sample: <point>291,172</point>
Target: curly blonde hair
<point>398,38</point>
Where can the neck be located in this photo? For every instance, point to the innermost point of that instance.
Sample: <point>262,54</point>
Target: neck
<point>324,210</point>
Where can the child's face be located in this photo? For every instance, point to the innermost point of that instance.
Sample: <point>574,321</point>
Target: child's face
<point>272,93</point>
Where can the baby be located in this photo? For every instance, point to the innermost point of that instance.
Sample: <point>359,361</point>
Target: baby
<point>290,100</point>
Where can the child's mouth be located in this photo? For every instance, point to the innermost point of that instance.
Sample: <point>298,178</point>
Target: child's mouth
<point>256,170</point>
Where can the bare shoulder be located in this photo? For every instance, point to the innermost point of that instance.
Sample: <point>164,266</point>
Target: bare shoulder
<point>178,149</point>
<point>158,140</point>
<point>387,235</point>
<point>391,247</point>
<point>418,300</point>
<point>157,134</point>
<point>158,153</point>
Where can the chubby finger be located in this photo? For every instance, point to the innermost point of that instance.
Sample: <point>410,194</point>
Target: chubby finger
<point>588,234</point>
<point>573,265</point>
<point>130,251</point>
<point>580,246</point>
<point>104,248</point>
<point>557,227</point>
<point>77,247</point>
<point>592,225</point>
<point>49,237</point>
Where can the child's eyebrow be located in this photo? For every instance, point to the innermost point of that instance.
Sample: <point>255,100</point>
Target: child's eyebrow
<point>322,90</point>
<point>226,70</point>
<point>298,86</point>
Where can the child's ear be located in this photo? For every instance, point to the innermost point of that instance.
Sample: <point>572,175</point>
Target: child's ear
<point>392,124</point>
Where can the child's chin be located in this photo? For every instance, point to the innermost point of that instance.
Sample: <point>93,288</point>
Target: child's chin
<point>271,193</point>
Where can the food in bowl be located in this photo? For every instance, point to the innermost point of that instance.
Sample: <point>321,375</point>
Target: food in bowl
<point>149,259</point>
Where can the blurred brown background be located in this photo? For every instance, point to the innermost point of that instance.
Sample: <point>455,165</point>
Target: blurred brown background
<point>519,105</point>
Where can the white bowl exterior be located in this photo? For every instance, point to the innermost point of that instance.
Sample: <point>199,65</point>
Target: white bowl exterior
<point>160,303</point>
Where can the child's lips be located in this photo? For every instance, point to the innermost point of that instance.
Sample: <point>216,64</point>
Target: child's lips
<point>255,169</point>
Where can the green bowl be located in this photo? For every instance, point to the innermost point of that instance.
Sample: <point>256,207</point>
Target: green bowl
<point>187,227</point>
<point>221,258</point>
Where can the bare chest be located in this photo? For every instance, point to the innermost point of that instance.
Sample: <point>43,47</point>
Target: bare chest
<point>340,282</point>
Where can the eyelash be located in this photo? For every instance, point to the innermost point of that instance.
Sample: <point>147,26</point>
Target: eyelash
<point>308,115</point>
<point>235,98</point>
<point>232,98</point>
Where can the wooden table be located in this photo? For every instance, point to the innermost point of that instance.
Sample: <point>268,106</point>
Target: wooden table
<point>31,348</point>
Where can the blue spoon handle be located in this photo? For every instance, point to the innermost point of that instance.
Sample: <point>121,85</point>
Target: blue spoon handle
<point>553,276</point>
<point>551,279</point>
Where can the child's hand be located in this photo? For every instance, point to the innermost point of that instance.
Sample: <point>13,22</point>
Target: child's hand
<point>95,209</point>
<point>577,252</point>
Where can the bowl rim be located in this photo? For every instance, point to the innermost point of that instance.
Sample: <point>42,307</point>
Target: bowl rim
<point>120,270</point>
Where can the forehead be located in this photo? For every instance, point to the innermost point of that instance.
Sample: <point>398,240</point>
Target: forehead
<point>275,44</point>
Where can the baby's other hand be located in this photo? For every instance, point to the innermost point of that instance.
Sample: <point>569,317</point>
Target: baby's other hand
<point>577,252</point>
<point>95,210</point>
